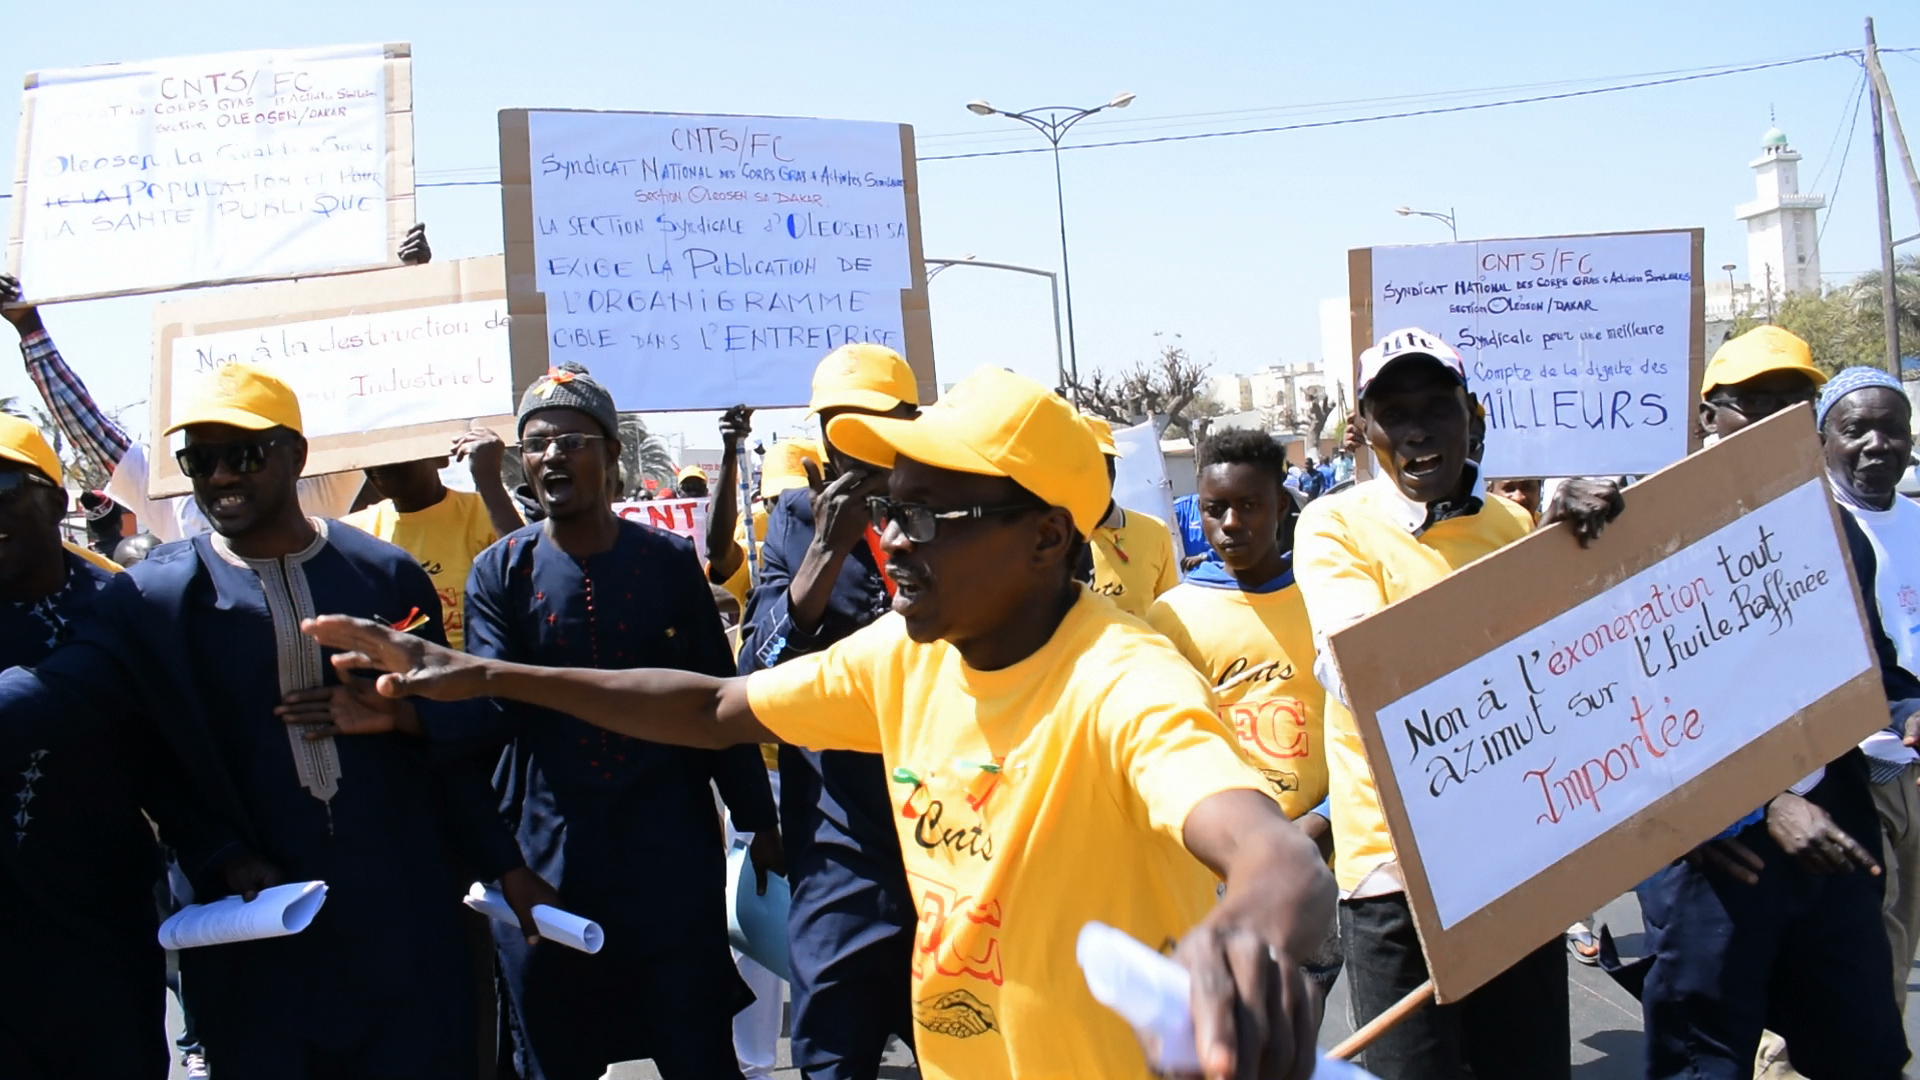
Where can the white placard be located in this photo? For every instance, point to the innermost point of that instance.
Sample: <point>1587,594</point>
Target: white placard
<point>1140,475</point>
<point>360,373</point>
<point>1578,347</point>
<point>192,170</point>
<point>697,262</point>
<point>1551,739</point>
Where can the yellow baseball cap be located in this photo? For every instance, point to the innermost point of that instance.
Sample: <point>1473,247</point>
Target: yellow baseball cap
<point>692,471</point>
<point>1756,352</point>
<point>22,442</point>
<point>862,376</point>
<point>994,423</point>
<point>242,396</point>
<point>785,468</point>
<point>1103,434</point>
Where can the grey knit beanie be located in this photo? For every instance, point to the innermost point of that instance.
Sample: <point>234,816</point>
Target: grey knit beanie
<point>568,386</point>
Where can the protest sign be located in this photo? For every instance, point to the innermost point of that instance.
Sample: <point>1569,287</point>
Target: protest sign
<point>700,262</point>
<point>1140,474</point>
<point>687,517</point>
<point>1587,351</point>
<point>1549,726</point>
<point>202,170</point>
<point>389,365</point>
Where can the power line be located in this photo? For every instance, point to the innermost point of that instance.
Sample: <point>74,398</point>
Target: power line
<point>1840,174</point>
<point>1840,126</point>
<point>1695,76</point>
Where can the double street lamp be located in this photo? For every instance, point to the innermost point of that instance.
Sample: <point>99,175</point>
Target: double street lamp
<point>1054,121</point>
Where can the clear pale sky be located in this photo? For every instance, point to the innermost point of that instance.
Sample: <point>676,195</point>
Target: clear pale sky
<point>1229,242</point>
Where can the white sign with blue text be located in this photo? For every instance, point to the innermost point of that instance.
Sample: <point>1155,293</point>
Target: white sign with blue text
<point>1580,348</point>
<point>697,262</point>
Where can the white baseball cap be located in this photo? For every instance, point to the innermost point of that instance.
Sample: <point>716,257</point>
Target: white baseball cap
<point>1405,344</point>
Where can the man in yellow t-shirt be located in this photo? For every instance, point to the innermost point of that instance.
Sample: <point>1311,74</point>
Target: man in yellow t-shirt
<point>1242,624</point>
<point>1053,762</point>
<point>1424,515</point>
<point>442,529</point>
<point>1133,557</point>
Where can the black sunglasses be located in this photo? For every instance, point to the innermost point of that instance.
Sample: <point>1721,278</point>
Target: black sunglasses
<point>15,484</point>
<point>199,460</point>
<point>919,523</point>
<point>1756,405</point>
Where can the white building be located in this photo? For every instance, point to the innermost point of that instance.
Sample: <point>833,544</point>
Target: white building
<point>1283,393</point>
<point>1783,235</point>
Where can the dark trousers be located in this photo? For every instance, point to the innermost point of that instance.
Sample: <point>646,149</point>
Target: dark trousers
<point>1513,1028</point>
<point>1800,953</point>
<point>850,945</point>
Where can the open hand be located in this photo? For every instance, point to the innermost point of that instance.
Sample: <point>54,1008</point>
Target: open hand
<point>1588,504</point>
<point>413,665</point>
<point>354,707</point>
<point>1805,832</point>
<point>525,890</point>
<point>767,855</point>
<point>413,247</point>
<point>1729,856</point>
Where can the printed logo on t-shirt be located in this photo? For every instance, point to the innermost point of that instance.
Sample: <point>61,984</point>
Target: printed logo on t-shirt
<point>957,936</point>
<point>956,1013</point>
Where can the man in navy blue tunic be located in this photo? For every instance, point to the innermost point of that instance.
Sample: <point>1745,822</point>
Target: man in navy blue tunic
<point>625,829</point>
<point>85,996</point>
<point>201,644</point>
<point>850,930</point>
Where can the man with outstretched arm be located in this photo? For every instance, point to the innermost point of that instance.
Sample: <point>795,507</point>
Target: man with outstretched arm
<point>1052,762</point>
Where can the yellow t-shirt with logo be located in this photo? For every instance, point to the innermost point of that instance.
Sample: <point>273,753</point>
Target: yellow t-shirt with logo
<point>1135,563</point>
<point>445,538</point>
<point>1354,555</point>
<point>1029,801</point>
<point>1256,649</point>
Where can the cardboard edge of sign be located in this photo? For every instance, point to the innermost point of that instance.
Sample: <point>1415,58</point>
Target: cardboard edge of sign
<point>397,289</point>
<point>400,191</point>
<point>528,306</point>
<point>1704,493</point>
<point>1361,336</point>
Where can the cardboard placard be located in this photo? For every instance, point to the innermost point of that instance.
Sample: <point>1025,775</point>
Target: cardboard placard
<point>1587,351</point>
<point>209,170</point>
<point>390,365</point>
<point>700,262</point>
<point>1549,726</point>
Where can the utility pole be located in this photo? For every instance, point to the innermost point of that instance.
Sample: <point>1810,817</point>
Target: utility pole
<point>1889,309</point>
<point>1878,76</point>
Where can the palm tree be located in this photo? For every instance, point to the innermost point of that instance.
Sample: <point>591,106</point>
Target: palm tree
<point>643,455</point>
<point>1867,296</point>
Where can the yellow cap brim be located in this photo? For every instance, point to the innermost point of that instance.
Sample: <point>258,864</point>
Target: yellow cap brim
<point>1735,372</point>
<point>878,440</point>
<point>854,398</point>
<point>224,414</point>
<point>25,458</point>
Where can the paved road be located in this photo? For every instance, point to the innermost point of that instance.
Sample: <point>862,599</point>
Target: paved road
<point>1606,1020</point>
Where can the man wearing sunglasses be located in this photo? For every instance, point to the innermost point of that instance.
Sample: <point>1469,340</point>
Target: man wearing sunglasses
<point>201,643</point>
<point>1052,761</point>
<point>850,928</point>
<point>77,859</point>
<point>623,830</point>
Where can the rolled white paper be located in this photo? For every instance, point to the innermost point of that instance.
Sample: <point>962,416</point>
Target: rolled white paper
<point>275,912</point>
<point>555,925</point>
<point>1151,993</point>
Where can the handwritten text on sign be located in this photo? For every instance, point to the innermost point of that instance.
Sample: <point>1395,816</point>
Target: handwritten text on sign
<point>1560,734</point>
<point>1578,347</point>
<point>359,373</point>
<point>699,262</point>
<point>686,517</point>
<point>208,168</point>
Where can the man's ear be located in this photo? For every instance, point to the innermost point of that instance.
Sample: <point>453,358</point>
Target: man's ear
<point>299,456</point>
<point>1055,539</point>
<point>1707,413</point>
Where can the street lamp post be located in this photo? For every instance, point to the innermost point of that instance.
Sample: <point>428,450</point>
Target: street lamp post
<point>1053,122</point>
<point>1447,218</point>
<point>1059,361</point>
